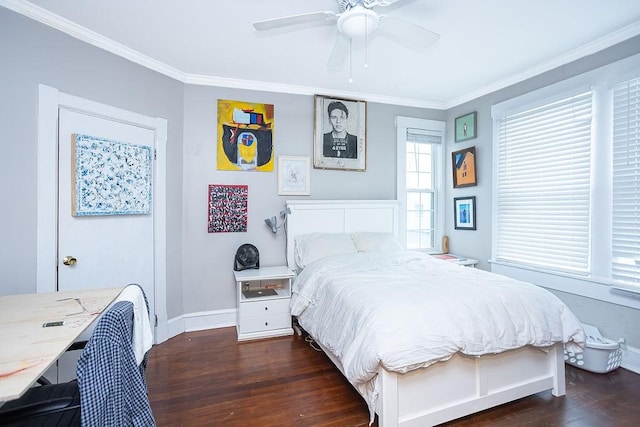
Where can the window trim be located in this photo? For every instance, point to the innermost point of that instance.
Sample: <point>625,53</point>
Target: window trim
<point>596,285</point>
<point>402,125</point>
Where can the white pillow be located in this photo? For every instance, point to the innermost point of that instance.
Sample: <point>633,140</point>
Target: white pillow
<point>376,242</point>
<point>314,246</point>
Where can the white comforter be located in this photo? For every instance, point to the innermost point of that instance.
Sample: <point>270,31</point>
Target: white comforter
<point>408,310</point>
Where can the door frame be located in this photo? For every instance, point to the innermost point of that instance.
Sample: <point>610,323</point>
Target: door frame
<point>49,101</point>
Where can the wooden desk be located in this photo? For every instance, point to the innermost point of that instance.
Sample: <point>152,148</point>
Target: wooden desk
<point>27,349</point>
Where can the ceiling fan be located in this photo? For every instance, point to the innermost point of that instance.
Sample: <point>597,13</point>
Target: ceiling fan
<point>356,19</point>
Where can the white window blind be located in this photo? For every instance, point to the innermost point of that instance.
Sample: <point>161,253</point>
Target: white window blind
<point>626,183</point>
<point>543,185</point>
<point>424,136</point>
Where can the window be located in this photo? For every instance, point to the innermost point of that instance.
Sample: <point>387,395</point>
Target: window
<point>626,183</point>
<point>543,185</point>
<point>420,181</point>
<point>420,194</point>
<point>567,181</point>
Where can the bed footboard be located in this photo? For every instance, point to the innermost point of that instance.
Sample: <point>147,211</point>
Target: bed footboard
<point>464,385</point>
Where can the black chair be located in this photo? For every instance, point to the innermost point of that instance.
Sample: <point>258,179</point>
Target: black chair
<point>47,405</point>
<point>66,405</point>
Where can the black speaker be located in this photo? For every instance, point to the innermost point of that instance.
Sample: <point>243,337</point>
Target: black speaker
<point>247,256</point>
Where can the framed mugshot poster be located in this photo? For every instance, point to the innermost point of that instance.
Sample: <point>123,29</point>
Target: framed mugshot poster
<point>340,134</point>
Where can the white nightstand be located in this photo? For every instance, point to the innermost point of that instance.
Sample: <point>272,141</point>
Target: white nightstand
<point>458,259</point>
<point>263,297</point>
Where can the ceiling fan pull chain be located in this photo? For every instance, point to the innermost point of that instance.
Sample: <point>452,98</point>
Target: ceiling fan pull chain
<point>350,61</point>
<point>366,44</point>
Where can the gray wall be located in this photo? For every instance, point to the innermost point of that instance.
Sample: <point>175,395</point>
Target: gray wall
<point>200,275</point>
<point>614,321</point>
<point>31,53</point>
<point>208,258</point>
<point>200,264</point>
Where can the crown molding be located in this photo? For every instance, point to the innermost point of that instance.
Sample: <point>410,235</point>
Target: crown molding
<point>79,32</point>
<point>66,26</point>
<point>50,19</point>
<point>602,43</point>
<point>203,80</point>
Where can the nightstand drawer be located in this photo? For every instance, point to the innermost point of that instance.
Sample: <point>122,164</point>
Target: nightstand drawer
<point>265,307</point>
<point>265,323</point>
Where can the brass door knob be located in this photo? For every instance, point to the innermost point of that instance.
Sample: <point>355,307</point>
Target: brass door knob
<point>69,260</point>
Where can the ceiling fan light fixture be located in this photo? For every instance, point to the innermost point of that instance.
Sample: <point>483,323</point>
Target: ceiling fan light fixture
<point>357,22</point>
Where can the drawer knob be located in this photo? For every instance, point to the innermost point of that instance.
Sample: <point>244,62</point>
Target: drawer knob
<point>266,308</point>
<point>266,323</point>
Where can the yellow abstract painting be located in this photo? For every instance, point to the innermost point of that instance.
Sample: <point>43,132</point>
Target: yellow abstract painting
<point>245,136</point>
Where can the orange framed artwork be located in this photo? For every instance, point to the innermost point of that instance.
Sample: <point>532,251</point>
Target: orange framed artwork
<point>464,167</point>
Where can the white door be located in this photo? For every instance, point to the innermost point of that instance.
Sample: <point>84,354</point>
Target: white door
<point>109,250</point>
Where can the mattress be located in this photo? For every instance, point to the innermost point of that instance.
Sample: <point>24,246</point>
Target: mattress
<point>407,310</point>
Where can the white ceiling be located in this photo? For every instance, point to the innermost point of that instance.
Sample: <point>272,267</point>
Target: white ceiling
<point>484,45</point>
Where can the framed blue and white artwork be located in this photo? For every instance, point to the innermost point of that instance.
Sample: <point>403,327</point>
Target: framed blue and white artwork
<point>110,177</point>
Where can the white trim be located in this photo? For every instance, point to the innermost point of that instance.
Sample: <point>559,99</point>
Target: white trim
<point>79,32</point>
<point>598,80</point>
<point>47,190</point>
<point>50,100</point>
<point>610,72</point>
<point>585,50</point>
<point>582,286</point>
<point>402,124</point>
<point>214,319</point>
<point>172,328</point>
<point>200,321</point>
<point>57,22</point>
<point>630,358</point>
<point>630,292</point>
<point>256,85</point>
<point>160,224</point>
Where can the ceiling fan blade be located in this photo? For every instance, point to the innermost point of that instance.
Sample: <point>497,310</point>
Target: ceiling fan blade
<point>370,4</point>
<point>302,18</point>
<point>339,52</point>
<point>382,3</point>
<point>407,33</point>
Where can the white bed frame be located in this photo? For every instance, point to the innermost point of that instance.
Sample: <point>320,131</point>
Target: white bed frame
<point>446,390</point>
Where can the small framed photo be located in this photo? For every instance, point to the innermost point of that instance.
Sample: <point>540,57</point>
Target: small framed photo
<point>293,175</point>
<point>465,212</point>
<point>463,163</point>
<point>340,134</point>
<point>466,127</point>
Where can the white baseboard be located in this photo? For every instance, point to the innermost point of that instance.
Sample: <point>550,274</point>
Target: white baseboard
<point>209,320</point>
<point>195,322</point>
<point>631,358</point>
<point>173,327</point>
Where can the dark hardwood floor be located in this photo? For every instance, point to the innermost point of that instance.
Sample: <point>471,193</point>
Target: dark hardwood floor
<point>207,378</point>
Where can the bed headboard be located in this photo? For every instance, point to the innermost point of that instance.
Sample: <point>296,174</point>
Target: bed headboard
<point>339,216</point>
